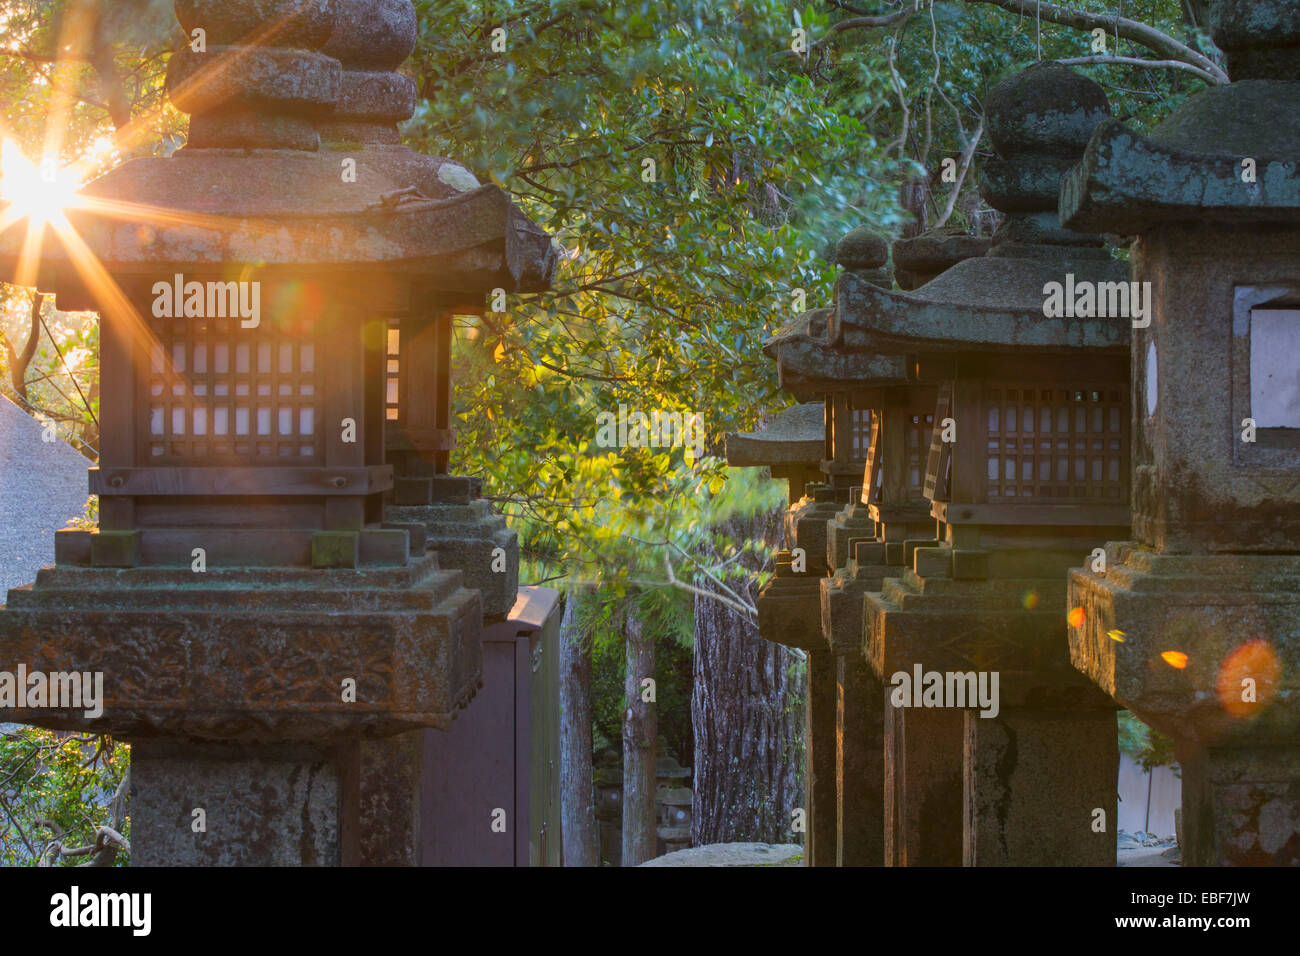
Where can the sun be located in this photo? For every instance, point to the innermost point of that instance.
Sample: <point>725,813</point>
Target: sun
<point>38,194</point>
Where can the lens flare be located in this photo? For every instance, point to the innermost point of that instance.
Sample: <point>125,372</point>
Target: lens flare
<point>1248,679</point>
<point>1076,617</point>
<point>1117,635</point>
<point>1029,600</point>
<point>1174,659</point>
<point>38,194</point>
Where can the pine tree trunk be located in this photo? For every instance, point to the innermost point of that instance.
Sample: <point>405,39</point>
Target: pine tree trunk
<point>640,733</point>
<point>747,712</point>
<point>577,800</point>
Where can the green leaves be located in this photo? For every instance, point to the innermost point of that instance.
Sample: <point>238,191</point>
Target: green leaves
<point>54,778</point>
<point>664,291</point>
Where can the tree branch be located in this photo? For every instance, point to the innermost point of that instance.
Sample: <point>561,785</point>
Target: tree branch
<point>966,155</point>
<point>1135,30</point>
<point>854,23</point>
<point>1106,58</point>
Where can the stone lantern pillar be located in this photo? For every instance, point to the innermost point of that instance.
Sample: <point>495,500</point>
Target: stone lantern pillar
<point>843,701</point>
<point>865,540</point>
<point>818,539</point>
<point>1025,474</point>
<point>870,408</point>
<point>259,626</point>
<point>1192,624</point>
<point>788,607</point>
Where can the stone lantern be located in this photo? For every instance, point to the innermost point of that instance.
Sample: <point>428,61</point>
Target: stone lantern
<point>266,637</point>
<point>1026,472</point>
<point>1192,624</point>
<point>869,539</point>
<point>788,606</point>
<point>870,407</point>
<point>790,445</point>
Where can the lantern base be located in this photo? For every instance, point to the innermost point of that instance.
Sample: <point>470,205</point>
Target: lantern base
<point>253,654</point>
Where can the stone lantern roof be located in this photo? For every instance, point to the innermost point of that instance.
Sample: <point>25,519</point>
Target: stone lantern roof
<point>806,366</point>
<point>293,161</point>
<point>1038,120</point>
<point>794,437</point>
<point>1193,167</point>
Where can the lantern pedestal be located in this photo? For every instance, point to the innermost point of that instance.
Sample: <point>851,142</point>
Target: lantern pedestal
<point>1229,703</point>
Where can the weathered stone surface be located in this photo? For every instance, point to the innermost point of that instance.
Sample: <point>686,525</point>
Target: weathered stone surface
<point>391,772</point>
<point>806,526</point>
<point>733,854</point>
<point>1185,622</point>
<point>376,95</point>
<point>924,257</point>
<point>807,366</point>
<point>1190,168</point>
<point>821,795</point>
<point>1260,38</point>
<point>408,213</point>
<point>852,523</point>
<point>1028,804</point>
<point>841,599</point>
<point>950,625</point>
<point>286,23</point>
<point>238,127</point>
<point>250,691</point>
<point>1044,110</point>
<point>330,549</point>
<point>787,607</point>
<point>1241,806</point>
<point>257,654</point>
<point>932,562</point>
<point>370,39</point>
<point>1205,606</point>
<point>1123,184</point>
<point>285,81</point>
<point>859,764</point>
<point>376,34</point>
<point>263,806</point>
<point>923,786</point>
<point>462,241</point>
<point>993,303</point>
<point>466,538</point>
<point>862,248</point>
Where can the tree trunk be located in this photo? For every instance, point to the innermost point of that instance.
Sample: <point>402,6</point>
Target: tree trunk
<point>640,732</point>
<point>18,362</point>
<point>577,800</point>
<point>747,711</point>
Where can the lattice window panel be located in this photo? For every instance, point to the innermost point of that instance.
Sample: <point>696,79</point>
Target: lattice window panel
<point>919,429</point>
<point>393,369</point>
<point>859,434</point>
<point>1054,444</point>
<point>218,393</point>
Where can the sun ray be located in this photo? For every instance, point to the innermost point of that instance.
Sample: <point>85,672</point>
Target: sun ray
<point>111,301</point>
